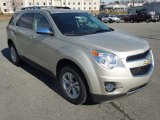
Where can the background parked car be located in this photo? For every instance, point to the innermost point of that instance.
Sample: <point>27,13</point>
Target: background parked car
<point>140,17</point>
<point>120,17</point>
<point>105,18</point>
<point>114,18</point>
<point>158,15</point>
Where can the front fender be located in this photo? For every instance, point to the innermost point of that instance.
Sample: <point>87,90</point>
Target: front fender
<point>81,56</point>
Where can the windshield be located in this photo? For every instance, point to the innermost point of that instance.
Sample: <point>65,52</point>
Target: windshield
<point>78,24</point>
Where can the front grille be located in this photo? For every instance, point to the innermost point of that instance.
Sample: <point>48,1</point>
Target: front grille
<point>137,57</point>
<point>140,70</point>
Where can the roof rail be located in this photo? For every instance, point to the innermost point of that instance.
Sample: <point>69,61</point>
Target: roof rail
<point>44,7</point>
<point>27,8</point>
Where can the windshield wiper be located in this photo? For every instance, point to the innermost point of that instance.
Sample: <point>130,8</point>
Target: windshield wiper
<point>100,31</point>
<point>86,33</point>
<point>72,34</point>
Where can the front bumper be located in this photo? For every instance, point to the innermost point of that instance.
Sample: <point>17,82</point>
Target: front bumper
<point>102,98</point>
<point>124,84</point>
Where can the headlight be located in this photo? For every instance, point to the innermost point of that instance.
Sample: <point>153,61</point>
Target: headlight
<point>106,59</point>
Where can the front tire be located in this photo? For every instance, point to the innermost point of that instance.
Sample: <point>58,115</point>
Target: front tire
<point>72,85</point>
<point>14,54</point>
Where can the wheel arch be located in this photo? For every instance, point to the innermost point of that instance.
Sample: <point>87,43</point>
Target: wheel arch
<point>64,62</point>
<point>10,42</point>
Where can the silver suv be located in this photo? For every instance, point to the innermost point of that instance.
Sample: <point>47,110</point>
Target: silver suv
<point>89,59</point>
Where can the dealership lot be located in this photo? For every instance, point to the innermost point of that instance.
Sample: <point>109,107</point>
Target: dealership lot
<point>29,94</point>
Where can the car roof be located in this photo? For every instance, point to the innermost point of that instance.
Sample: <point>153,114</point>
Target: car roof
<point>51,10</point>
<point>65,11</point>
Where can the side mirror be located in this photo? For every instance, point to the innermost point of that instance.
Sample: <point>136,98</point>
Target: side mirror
<point>44,30</point>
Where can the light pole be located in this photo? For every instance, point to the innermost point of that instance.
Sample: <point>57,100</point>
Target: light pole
<point>33,3</point>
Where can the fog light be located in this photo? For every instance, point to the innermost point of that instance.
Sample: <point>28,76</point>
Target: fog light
<point>110,86</point>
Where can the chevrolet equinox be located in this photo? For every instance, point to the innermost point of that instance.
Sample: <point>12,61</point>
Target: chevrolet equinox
<point>88,58</point>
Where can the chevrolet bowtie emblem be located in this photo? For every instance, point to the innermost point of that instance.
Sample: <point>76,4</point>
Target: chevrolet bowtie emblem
<point>147,62</point>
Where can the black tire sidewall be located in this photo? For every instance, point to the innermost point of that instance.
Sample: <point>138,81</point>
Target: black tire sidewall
<point>17,56</point>
<point>83,91</point>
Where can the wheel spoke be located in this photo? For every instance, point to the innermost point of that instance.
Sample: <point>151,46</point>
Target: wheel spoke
<point>69,90</point>
<point>65,80</point>
<point>75,84</point>
<point>71,85</point>
<point>75,94</point>
<point>76,87</point>
<point>70,77</point>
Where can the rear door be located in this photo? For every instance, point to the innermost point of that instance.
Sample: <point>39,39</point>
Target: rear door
<point>22,32</point>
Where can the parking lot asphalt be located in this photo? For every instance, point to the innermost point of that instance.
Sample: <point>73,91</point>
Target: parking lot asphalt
<point>29,94</point>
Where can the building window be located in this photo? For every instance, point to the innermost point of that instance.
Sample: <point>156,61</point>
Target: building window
<point>73,7</point>
<point>95,3</point>
<point>78,3</point>
<point>84,3</point>
<point>89,8</point>
<point>73,3</point>
<point>89,3</point>
<point>95,8</point>
<point>68,3</point>
<point>21,3</point>
<point>44,3</point>
<point>37,3</point>
<point>30,3</point>
<point>84,8</point>
<point>49,3</point>
<point>5,10</point>
<point>4,4</point>
<point>64,3</point>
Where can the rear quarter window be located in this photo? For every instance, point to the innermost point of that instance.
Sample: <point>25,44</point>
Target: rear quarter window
<point>11,22</point>
<point>25,21</point>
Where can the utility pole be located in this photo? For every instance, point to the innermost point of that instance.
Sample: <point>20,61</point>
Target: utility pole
<point>133,3</point>
<point>33,3</point>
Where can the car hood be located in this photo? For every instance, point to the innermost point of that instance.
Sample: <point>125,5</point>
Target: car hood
<point>115,42</point>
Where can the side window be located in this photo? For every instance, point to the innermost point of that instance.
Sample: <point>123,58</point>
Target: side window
<point>11,22</point>
<point>40,21</point>
<point>25,21</point>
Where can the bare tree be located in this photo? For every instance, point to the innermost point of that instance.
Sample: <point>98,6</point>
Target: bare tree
<point>116,2</point>
<point>14,4</point>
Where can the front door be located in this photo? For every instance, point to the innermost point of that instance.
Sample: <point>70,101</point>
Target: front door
<point>41,45</point>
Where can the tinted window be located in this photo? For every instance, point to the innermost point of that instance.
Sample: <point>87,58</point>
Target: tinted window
<point>25,21</point>
<point>78,23</point>
<point>13,18</point>
<point>40,21</point>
